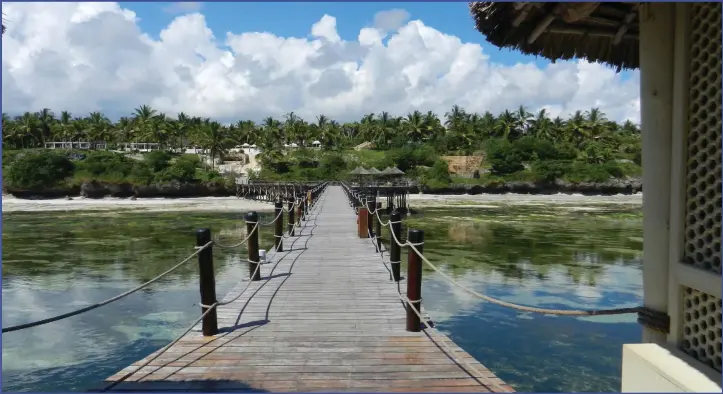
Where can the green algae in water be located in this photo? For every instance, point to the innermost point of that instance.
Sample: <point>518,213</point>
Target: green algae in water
<point>55,262</point>
<point>547,256</point>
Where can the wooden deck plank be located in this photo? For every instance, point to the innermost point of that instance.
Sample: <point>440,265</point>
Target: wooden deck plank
<point>325,316</point>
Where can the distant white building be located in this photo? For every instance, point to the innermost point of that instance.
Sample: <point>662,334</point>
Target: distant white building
<point>251,149</point>
<point>140,146</point>
<point>292,145</point>
<point>75,145</point>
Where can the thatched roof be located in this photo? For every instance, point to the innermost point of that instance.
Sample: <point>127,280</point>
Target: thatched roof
<point>359,171</point>
<point>396,171</point>
<point>597,32</point>
<point>392,171</point>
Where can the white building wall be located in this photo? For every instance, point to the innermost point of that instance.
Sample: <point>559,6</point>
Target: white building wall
<point>680,57</point>
<point>695,286</point>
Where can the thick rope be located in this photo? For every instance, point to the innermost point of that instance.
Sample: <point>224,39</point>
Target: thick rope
<point>108,301</point>
<point>381,253</point>
<point>142,286</point>
<point>163,350</point>
<point>275,219</point>
<point>592,312</point>
<point>178,338</point>
<point>524,308</point>
<point>471,368</point>
<point>256,226</point>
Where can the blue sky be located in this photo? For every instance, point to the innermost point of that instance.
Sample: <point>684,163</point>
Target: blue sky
<point>295,20</point>
<point>101,62</point>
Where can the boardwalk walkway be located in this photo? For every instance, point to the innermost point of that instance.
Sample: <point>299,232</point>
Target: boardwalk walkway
<point>325,318</point>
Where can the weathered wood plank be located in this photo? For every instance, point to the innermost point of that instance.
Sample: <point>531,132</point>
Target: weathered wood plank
<point>324,317</point>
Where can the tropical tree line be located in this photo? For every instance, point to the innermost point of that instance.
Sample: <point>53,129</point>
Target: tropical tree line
<point>457,132</point>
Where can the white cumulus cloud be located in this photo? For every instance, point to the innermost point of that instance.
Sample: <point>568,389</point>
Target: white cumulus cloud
<point>86,57</point>
<point>183,7</point>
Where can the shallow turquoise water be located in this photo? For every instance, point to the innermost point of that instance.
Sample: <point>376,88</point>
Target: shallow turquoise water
<point>542,256</point>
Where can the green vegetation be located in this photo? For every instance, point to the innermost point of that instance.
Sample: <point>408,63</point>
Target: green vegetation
<point>548,256</point>
<point>35,169</point>
<point>516,146</point>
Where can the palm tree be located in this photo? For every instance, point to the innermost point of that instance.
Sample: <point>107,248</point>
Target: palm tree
<point>541,126</point>
<point>596,122</point>
<point>98,128</point>
<point>413,126</point>
<point>455,118</point>
<point>506,126</point>
<point>213,137</point>
<point>524,119</point>
<point>590,134</point>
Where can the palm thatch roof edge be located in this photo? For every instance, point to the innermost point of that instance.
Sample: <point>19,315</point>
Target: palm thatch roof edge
<point>597,32</point>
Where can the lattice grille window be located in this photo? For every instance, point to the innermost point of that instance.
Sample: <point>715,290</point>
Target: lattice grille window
<point>703,205</point>
<point>702,327</point>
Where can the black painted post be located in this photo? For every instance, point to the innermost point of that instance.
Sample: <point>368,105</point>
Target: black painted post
<point>371,206</point>
<point>414,280</point>
<point>252,231</point>
<point>279,225</point>
<point>209,324</point>
<point>298,212</point>
<point>291,216</point>
<point>378,227</point>
<point>395,253</point>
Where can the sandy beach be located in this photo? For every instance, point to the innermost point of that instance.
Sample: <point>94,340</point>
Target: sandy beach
<point>12,204</point>
<point>479,200</point>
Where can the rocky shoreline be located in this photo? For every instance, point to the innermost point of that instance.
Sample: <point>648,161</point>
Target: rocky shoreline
<point>98,190</point>
<point>612,187</point>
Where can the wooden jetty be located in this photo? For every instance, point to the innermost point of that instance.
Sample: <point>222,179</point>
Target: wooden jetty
<point>325,316</point>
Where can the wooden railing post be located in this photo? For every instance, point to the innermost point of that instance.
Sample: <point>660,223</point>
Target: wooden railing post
<point>362,225</point>
<point>302,209</point>
<point>371,206</point>
<point>378,226</point>
<point>291,217</point>
<point>207,282</point>
<point>298,213</point>
<point>279,225</point>
<point>414,280</point>
<point>252,231</point>
<point>395,253</point>
<point>305,206</point>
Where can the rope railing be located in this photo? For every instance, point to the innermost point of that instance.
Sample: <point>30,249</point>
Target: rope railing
<point>524,308</point>
<point>108,301</point>
<point>256,225</point>
<point>471,369</point>
<point>203,315</point>
<point>646,316</point>
<point>476,373</point>
<point>374,238</point>
<point>198,250</point>
<point>179,337</point>
<point>268,191</point>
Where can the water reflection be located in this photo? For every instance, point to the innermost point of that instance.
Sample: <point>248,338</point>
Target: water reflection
<point>547,257</point>
<point>542,256</point>
<point>57,262</point>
